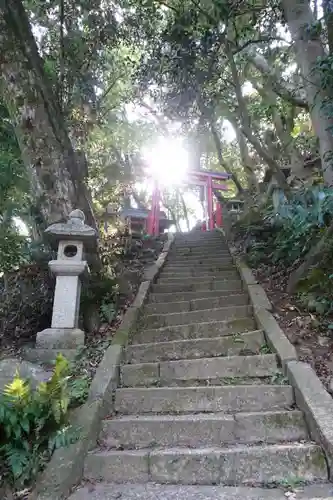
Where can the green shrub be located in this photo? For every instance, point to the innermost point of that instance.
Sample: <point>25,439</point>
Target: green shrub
<point>292,229</point>
<point>33,423</point>
<point>295,228</point>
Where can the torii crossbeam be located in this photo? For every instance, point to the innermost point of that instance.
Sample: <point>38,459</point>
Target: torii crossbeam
<point>210,180</point>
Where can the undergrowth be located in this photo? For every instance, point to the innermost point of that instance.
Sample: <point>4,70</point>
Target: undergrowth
<point>34,422</point>
<point>283,236</point>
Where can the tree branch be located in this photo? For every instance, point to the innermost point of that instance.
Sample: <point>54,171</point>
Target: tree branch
<point>265,39</point>
<point>273,165</point>
<point>278,85</point>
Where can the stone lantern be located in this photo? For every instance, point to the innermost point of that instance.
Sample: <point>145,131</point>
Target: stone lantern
<point>72,239</point>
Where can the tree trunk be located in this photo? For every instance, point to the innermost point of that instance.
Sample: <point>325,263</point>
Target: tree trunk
<point>309,50</point>
<point>245,120</point>
<point>328,14</point>
<point>57,180</point>
<point>185,211</point>
<point>277,84</point>
<point>209,115</point>
<point>295,158</point>
<point>218,146</point>
<point>272,164</point>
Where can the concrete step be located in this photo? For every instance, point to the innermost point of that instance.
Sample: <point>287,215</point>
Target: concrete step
<point>228,399</point>
<point>195,280</point>
<point>230,345</point>
<point>203,429</point>
<point>199,370</point>
<point>195,330</point>
<point>197,304</point>
<point>215,285</point>
<point>150,491</point>
<point>205,315</point>
<point>254,465</point>
<point>157,298</point>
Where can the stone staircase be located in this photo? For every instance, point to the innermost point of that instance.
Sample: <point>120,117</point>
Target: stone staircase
<point>204,411</point>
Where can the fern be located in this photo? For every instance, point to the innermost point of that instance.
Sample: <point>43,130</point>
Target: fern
<point>34,422</point>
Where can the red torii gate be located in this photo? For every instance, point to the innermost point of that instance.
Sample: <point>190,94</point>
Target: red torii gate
<point>201,178</point>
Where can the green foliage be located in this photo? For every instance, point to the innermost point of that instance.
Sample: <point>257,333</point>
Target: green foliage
<point>292,229</point>
<point>33,423</point>
<point>108,311</point>
<point>285,236</point>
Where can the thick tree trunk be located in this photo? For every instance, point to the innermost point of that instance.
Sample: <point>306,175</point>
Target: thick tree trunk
<point>57,180</point>
<point>309,50</point>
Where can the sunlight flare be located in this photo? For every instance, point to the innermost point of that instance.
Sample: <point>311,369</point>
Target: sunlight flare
<point>167,162</point>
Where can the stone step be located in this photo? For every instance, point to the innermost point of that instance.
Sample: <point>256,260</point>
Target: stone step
<point>199,243</point>
<point>199,370</point>
<point>196,287</point>
<point>255,465</point>
<point>230,345</point>
<point>199,265</point>
<point>205,259</point>
<point>192,245</point>
<point>214,246</point>
<point>150,491</point>
<point>195,330</point>
<point>197,304</point>
<point>205,315</point>
<point>230,399</point>
<point>200,236</point>
<point>170,277</point>
<point>195,280</point>
<point>203,429</point>
<point>197,270</point>
<point>157,298</point>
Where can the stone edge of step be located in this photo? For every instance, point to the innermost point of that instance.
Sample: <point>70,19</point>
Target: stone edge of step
<point>214,429</point>
<point>139,350</point>
<point>150,491</point>
<point>194,304</point>
<point>229,327</point>
<point>203,399</point>
<point>219,464</point>
<point>65,469</point>
<point>204,311</point>
<point>147,374</point>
